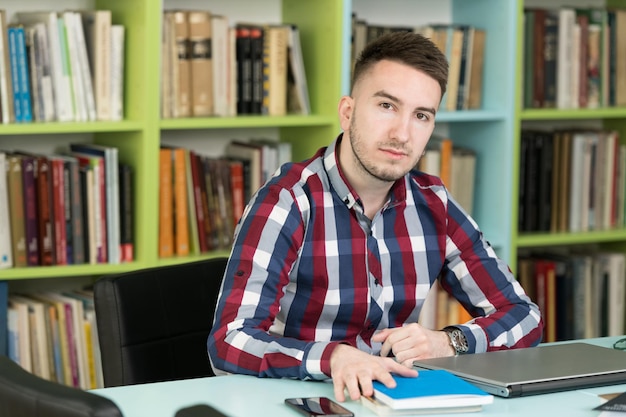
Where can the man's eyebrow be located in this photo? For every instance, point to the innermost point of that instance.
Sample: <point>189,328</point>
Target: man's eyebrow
<point>384,94</point>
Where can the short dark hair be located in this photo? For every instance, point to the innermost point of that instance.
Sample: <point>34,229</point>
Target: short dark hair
<point>407,48</point>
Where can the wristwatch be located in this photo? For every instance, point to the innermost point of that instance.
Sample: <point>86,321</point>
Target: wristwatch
<point>458,341</point>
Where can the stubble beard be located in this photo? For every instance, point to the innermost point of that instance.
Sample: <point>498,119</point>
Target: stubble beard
<point>366,165</point>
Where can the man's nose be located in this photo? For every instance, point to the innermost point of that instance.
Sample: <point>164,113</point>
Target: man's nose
<point>401,129</point>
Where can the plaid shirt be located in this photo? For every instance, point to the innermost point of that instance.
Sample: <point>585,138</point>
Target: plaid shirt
<point>309,270</point>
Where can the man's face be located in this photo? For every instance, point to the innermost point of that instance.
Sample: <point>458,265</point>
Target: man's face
<point>387,121</point>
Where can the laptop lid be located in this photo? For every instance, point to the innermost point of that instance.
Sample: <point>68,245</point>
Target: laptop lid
<point>537,370</point>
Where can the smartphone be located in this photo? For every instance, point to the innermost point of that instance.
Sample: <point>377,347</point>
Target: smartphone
<point>318,406</point>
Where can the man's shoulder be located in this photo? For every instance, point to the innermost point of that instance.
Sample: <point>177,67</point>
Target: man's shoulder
<point>294,174</point>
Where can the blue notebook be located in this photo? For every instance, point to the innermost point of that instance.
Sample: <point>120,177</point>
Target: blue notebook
<point>431,389</point>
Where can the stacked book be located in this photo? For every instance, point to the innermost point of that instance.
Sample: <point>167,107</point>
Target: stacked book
<point>202,198</point>
<point>61,66</point>
<point>214,68</point>
<point>432,391</point>
<point>65,209</point>
<point>54,336</point>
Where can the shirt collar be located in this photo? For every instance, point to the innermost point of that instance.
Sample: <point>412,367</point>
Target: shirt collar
<point>344,190</point>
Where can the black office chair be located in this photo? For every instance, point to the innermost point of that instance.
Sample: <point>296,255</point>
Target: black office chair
<point>25,394</point>
<point>153,323</point>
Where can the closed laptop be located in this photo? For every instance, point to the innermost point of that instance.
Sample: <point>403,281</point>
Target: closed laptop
<point>537,370</point>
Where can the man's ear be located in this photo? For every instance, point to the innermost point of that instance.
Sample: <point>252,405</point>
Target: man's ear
<point>345,108</point>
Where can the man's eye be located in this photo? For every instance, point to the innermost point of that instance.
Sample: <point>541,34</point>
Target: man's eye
<point>422,116</point>
<point>386,105</point>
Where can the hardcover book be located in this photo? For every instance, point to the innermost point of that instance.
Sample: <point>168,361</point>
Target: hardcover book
<point>16,210</point>
<point>6,254</point>
<point>7,114</point>
<point>201,63</point>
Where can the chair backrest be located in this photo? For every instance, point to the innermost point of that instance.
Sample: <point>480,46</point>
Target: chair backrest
<point>153,323</point>
<point>25,394</point>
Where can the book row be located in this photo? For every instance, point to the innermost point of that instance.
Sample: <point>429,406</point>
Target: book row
<point>202,198</point>
<point>571,181</point>
<point>574,58</point>
<point>463,45</point>
<point>580,294</point>
<point>54,335</point>
<point>65,209</point>
<point>455,165</point>
<point>214,68</point>
<point>61,66</point>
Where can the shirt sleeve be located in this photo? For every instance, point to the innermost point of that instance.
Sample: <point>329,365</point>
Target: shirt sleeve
<point>246,337</point>
<point>504,315</point>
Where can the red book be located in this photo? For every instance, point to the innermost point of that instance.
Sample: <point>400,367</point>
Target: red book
<point>30,209</point>
<point>58,204</point>
<point>197,194</point>
<point>545,287</point>
<point>45,213</point>
<point>237,189</point>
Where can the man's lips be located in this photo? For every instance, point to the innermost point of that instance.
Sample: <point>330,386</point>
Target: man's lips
<point>396,153</point>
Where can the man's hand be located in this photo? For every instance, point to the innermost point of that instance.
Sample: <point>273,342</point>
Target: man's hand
<point>355,370</point>
<point>413,341</point>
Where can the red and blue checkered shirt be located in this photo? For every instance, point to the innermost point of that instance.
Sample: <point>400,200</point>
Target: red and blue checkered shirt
<point>309,270</point>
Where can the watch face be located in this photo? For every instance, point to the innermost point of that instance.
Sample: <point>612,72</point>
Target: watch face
<point>460,342</point>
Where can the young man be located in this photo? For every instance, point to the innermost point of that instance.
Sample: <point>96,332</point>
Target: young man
<point>334,256</point>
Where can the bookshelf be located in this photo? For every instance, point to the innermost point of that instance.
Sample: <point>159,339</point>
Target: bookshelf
<point>139,136</point>
<point>493,131</point>
<point>613,118</point>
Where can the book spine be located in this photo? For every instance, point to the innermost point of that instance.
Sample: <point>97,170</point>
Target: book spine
<point>85,208</point>
<point>83,65</point>
<point>126,213</point>
<point>244,70</point>
<point>538,58</point>
<point>97,30</point>
<point>45,214</point>
<point>101,210</point>
<point>182,74</point>
<point>220,61</point>
<point>464,66</point>
<point>35,75</point>
<point>197,194</point>
<point>550,59</point>
<point>257,75</point>
<point>71,345</point>
<point>4,310</point>
<point>16,210</point>
<point>6,80</point>
<point>237,190</point>
<point>166,248</point>
<point>66,68</point>
<point>118,35</point>
<point>15,80</point>
<point>6,256</point>
<point>67,214</point>
<point>206,195</point>
<point>201,58</point>
<point>58,201</point>
<point>77,220</point>
<point>25,99</point>
<point>30,210</point>
<point>181,229</point>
